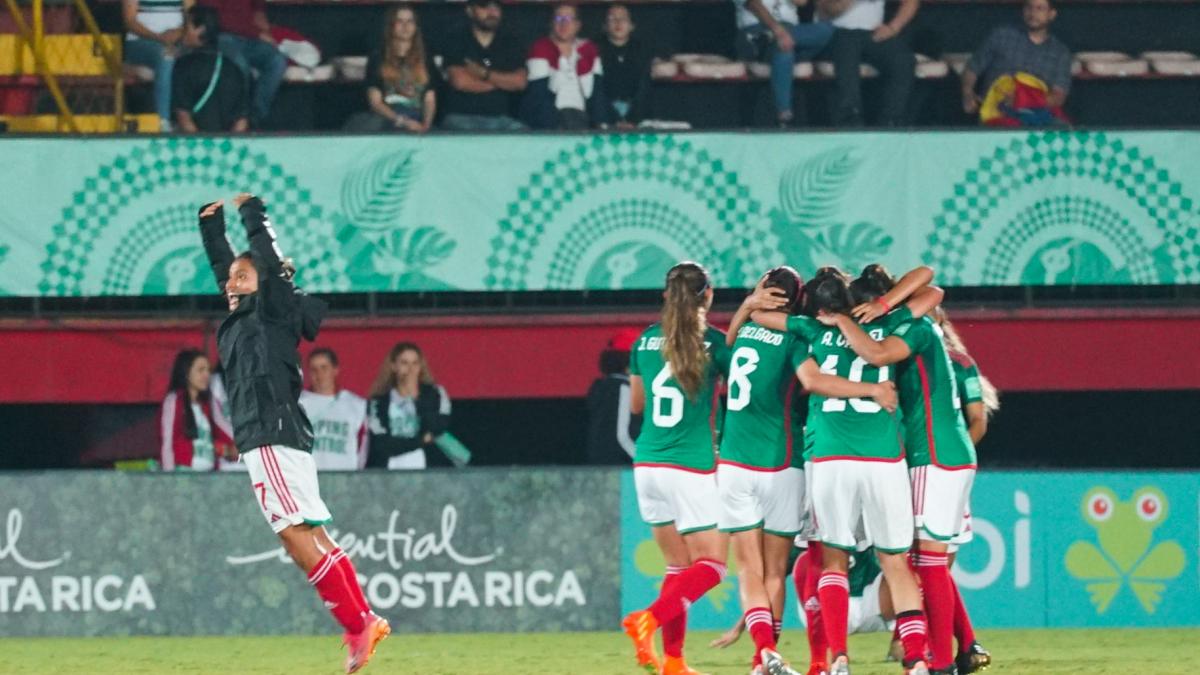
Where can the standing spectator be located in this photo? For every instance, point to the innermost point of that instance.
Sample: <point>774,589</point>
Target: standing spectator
<point>777,22</point>
<point>407,413</point>
<point>861,35</point>
<point>626,59</point>
<point>401,81</point>
<point>485,67</point>
<point>566,78</point>
<point>155,32</point>
<point>208,91</point>
<point>220,407</point>
<point>246,38</point>
<point>339,417</point>
<point>190,437</point>
<point>611,425</point>
<point>1013,49</point>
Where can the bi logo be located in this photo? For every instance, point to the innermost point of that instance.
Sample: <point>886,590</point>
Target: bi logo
<point>1126,552</point>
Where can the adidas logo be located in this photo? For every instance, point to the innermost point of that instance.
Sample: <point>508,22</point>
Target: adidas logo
<point>813,605</point>
<point>330,605</point>
<point>275,518</point>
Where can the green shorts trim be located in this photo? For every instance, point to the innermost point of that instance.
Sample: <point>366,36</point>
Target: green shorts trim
<point>893,551</point>
<point>745,528</point>
<point>702,528</point>
<point>777,533</point>
<point>318,523</point>
<point>662,524</point>
<point>848,549</point>
<point>934,536</point>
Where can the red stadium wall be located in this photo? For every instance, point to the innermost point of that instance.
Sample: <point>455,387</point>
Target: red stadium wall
<point>555,356</point>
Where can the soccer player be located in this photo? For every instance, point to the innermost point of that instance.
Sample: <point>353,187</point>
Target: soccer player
<point>338,416</point>
<point>268,316</point>
<point>760,474</point>
<point>673,370</point>
<point>941,457</point>
<point>860,482</point>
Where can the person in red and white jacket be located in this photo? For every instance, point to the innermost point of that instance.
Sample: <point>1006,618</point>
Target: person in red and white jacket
<point>191,436</point>
<point>565,88</point>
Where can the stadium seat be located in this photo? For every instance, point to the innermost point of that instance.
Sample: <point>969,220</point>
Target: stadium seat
<point>663,70</point>
<point>957,61</point>
<point>1184,64</point>
<point>322,73</point>
<point>931,69</point>
<point>825,69</point>
<point>351,68</point>
<point>1112,64</point>
<point>711,67</point>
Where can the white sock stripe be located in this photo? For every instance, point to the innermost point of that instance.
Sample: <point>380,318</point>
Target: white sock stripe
<point>322,570</point>
<point>834,580</point>
<point>751,621</point>
<point>720,569</point>
<point>674,569</point>
<point>926,561</point>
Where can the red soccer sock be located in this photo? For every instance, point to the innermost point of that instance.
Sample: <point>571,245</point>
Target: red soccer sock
<point>911,626</point>
<point>332,588</point>
<point>833,591</point>
<point>761,627</point>
<point>807,574</point>
<point>964,632</point>
<point>777,629</point>
<point>938,589</point>
<point>350,575</point>
<point>691,586</point>
<point>674,630</point>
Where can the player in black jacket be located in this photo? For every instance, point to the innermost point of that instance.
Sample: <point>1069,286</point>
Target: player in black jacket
<point>258,341</point>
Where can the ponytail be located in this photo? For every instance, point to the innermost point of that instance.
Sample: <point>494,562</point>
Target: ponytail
<point>683,327</point>
<point>955,345</point>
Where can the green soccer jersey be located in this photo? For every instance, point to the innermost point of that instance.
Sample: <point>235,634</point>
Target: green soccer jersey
<point>759,426</point>
<point>864,569</point>
<point>934,431</point>
<point>856,428</point>
<point>966,376</point>
<point>677,429</point>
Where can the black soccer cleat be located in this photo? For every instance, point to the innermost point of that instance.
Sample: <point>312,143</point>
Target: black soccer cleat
<point>974,660</point>
<point>950,670</point>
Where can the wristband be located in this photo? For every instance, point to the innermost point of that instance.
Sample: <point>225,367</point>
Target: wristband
<point>886,307</point>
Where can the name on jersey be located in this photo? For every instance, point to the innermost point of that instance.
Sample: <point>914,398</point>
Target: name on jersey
<point>330,436</point>
<point>656,344</point>
<point>832,338</point>
<point>760,334</point>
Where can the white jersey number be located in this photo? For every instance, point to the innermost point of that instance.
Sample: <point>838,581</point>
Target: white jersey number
<point>668,400</point>
<point>861,405</point>
<point>745,361</point>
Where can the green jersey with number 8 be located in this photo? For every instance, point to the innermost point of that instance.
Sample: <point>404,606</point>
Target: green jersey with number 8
<point>856,428</point>
<point>934,429</point>
<point>759,428</point>
<point>677,430</point>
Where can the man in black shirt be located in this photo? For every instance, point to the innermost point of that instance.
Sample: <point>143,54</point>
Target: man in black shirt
<point>485,67</point>
<point>626,61</point>
<point>208,91</point>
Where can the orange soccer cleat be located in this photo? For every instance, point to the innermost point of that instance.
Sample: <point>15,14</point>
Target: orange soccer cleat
<point>640,627</point>
<point>675,665</point>
<point>362,645</point>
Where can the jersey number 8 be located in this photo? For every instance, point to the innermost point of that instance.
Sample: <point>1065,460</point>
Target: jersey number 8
<point>860,405</point>
<point>745,361</point>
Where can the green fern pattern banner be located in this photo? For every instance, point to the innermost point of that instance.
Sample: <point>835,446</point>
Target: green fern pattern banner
<point>509,213</point>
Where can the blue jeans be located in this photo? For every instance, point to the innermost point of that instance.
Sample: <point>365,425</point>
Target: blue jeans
<point>261,57</point>
<point>462,122</point>
<point>810,39</point>
<point>153,55</point>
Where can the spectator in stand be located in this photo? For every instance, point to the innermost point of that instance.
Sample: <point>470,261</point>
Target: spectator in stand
<point>626,60</point>
<point>246,38</point>
<point>338,416</point>
<point>485,66</point>
<point>1013,49</point>
<point>774,25</point>
<point>191,439</point>
<point>611,425</point>
<point>862,35</point>
<point>407,413</point>
<point>566,78</point>
<point>155,31</point>
<point>401,79</point>
<point>208,92</point>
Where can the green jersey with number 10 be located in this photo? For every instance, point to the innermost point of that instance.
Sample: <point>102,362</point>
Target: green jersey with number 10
<point>856,428</point>
<point>934,431</point>
<point>677,430</point>
<point>759,428</point>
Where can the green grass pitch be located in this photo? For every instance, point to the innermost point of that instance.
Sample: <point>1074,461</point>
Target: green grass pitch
<point>1024,652</point>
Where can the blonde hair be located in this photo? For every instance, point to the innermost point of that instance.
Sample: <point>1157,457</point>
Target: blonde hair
<point>385,381</point>
<point>683,326</point>
<point>955,345</point>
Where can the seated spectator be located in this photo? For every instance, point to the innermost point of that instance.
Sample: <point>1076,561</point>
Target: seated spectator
<point>339,417</point>
<point>566,78</point>
<point>155,30</point>
<point>861,35</point>
<point>246,38</point>
<point>407,413</point>
<point>626,59</point>
<point>1014,49</point>
<point>611,425</point>
<point>191,439</point>
<point>485,67</point>
<point>400,79</point>
<point>774,27</point>
<point>208,92</point>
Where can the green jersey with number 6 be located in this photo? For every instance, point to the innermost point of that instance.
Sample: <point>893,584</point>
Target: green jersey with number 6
<point>759,428</point>
<point>934,431</point>
<point>856,428</point>
<point>677,430</point>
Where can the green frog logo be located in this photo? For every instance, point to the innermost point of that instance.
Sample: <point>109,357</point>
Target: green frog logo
<point>1127,553</point>
<point>648,559</point>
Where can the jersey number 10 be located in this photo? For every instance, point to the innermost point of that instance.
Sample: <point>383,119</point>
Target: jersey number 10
<point>860,405</point>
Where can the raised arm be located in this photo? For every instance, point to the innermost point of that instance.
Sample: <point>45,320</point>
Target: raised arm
<point>923,301</point>
<point>260,233</point>
<point>756,306</point>
<point>891,350</point>
<point>910,283</point>
<point>216,244</point>
<point>833,386</point>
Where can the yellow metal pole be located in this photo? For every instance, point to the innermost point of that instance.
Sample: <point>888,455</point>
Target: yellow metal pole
<point>112,58</point>
<point>39,59</point>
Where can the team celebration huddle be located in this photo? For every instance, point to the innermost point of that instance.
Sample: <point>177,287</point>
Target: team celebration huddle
<point>829,435</point>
